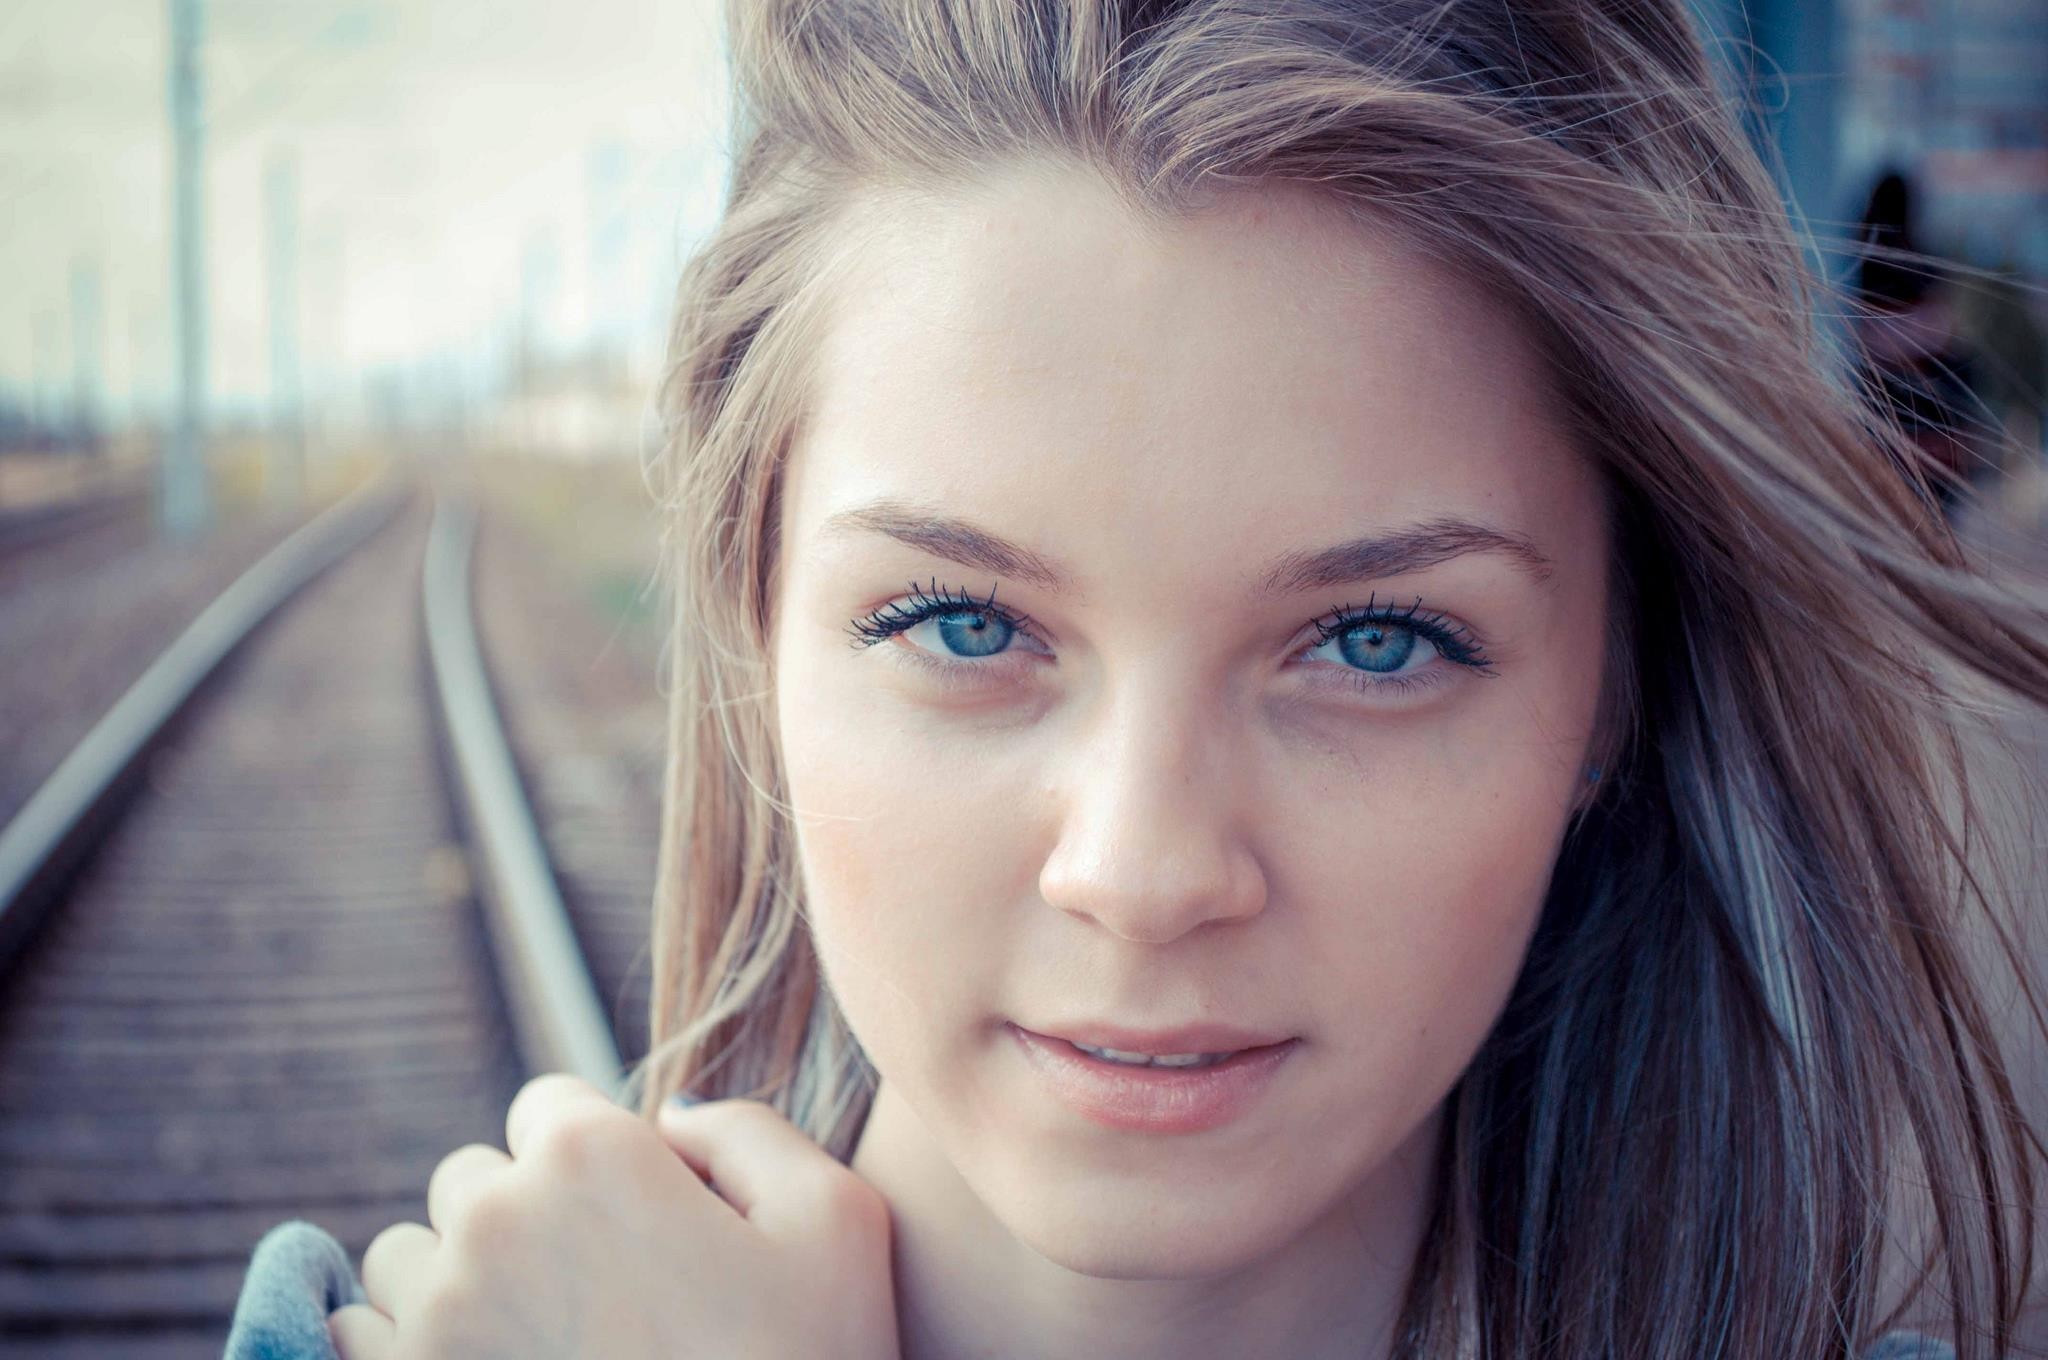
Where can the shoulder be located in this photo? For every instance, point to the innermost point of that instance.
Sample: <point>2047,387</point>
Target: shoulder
<point>298,1274</point>
<point>1909,1346</point>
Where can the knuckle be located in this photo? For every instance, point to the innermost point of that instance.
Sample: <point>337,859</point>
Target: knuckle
<point>546,1090</point>
<point>385,1242</point>
<point>453,1165</point>
<point>848,1201</point>
<point>496,1213</point>
<point>461,1154</point>
<point>587,1139</point>
<point>342,1324</point>
<point>539,1098</point>
<point>548,1081</point>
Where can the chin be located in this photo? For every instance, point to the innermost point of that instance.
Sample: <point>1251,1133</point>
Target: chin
<point>1136,1235</point>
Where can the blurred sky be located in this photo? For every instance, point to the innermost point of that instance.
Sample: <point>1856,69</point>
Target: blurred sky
<point>464,167</point>
<point>486,186</point>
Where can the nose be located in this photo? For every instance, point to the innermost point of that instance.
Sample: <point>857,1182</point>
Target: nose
<point>1150,846</point>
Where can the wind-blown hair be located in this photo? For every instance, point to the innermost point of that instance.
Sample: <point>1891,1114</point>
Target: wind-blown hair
<point>1748,1055</point>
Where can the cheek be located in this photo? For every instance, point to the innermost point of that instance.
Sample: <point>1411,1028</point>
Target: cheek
<point>1421,895</point>
<point>907,855</point>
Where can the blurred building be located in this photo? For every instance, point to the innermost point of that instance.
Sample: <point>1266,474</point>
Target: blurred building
<point>1955,91</point>
<point>1952,95</point>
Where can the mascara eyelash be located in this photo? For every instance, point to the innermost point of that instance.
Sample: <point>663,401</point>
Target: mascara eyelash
<point>892,618</point>
<point>1453,641</point>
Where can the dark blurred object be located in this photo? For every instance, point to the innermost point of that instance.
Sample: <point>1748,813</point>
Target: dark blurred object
<point>1911,341</point>
<point>1893,284</point>
<point>2012,377</point>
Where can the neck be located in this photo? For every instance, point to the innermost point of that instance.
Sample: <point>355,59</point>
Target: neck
<point>969,1289</point>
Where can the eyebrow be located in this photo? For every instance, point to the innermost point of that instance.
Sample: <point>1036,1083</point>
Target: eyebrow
<point>1410,547</point>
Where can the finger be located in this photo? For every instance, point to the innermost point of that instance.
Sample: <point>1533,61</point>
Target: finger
<point>545,1098</point>
<point>360,1332</point>
<point>763,1165</point>
<point>395,1267</point>
<point>690,1151</point>
<point>456,1180</point>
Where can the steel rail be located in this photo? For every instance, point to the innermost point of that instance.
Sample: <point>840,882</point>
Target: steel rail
<point>556,1014</point>
<point>51,833</point>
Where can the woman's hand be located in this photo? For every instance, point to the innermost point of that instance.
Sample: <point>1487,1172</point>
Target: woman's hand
<point>601,1236</point>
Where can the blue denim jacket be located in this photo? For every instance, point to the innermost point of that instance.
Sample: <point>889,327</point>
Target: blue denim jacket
<point>299,1274</point>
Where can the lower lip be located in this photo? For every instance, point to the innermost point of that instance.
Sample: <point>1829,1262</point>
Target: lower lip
<point>1153,1099</point>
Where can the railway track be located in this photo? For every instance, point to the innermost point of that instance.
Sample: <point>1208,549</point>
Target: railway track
<point>104,521</point>
<point>289,937</point>
<point>582,702</point>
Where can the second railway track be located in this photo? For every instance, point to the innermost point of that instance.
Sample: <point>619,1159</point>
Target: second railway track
<point>270,992</point>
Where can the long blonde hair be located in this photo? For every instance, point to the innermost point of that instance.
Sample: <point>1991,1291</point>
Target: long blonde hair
<point>1747,1012</point>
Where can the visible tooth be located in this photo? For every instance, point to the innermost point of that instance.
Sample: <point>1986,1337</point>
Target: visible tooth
<point>1150,1060</point>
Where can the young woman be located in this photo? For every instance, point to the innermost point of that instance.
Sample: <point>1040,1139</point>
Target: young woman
<point>1309,720</point>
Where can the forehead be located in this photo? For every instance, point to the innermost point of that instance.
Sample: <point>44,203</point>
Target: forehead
<point>1028,350</point>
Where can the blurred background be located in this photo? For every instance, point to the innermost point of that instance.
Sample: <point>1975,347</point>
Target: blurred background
<point>330,724</point>
<point>403,217</point>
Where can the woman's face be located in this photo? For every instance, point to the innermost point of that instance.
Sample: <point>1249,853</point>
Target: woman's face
<point>1274,723</point>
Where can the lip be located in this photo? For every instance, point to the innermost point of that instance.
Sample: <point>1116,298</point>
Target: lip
<point>1182,1039</point>
<point>1159,1100</point>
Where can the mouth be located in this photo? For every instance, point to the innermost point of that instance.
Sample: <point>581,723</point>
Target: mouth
<point>1140,1092</point>
<point>1182,1062</point>
<point>1184,1043</point>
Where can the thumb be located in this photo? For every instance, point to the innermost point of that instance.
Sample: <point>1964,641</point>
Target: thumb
<point>764,1166</point>
<point>676,1103</point>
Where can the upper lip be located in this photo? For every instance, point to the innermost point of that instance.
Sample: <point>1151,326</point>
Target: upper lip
<point>1179,1039</point>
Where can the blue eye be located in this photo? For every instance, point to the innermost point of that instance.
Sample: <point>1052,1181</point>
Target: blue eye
<point>1375,643</point>
<point>971,632</point>
<point>965,627</point>
<point>1380,647</point>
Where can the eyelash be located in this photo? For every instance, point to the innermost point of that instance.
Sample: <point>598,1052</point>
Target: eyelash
<point>891,619</point>
<point>1452,641</point>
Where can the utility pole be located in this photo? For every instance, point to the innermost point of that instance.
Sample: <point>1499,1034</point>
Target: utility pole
<point>46,407</point>
<point>183,502</point>
<point>145,328</point>
<point>288,427</point>
<point>87,323</point>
